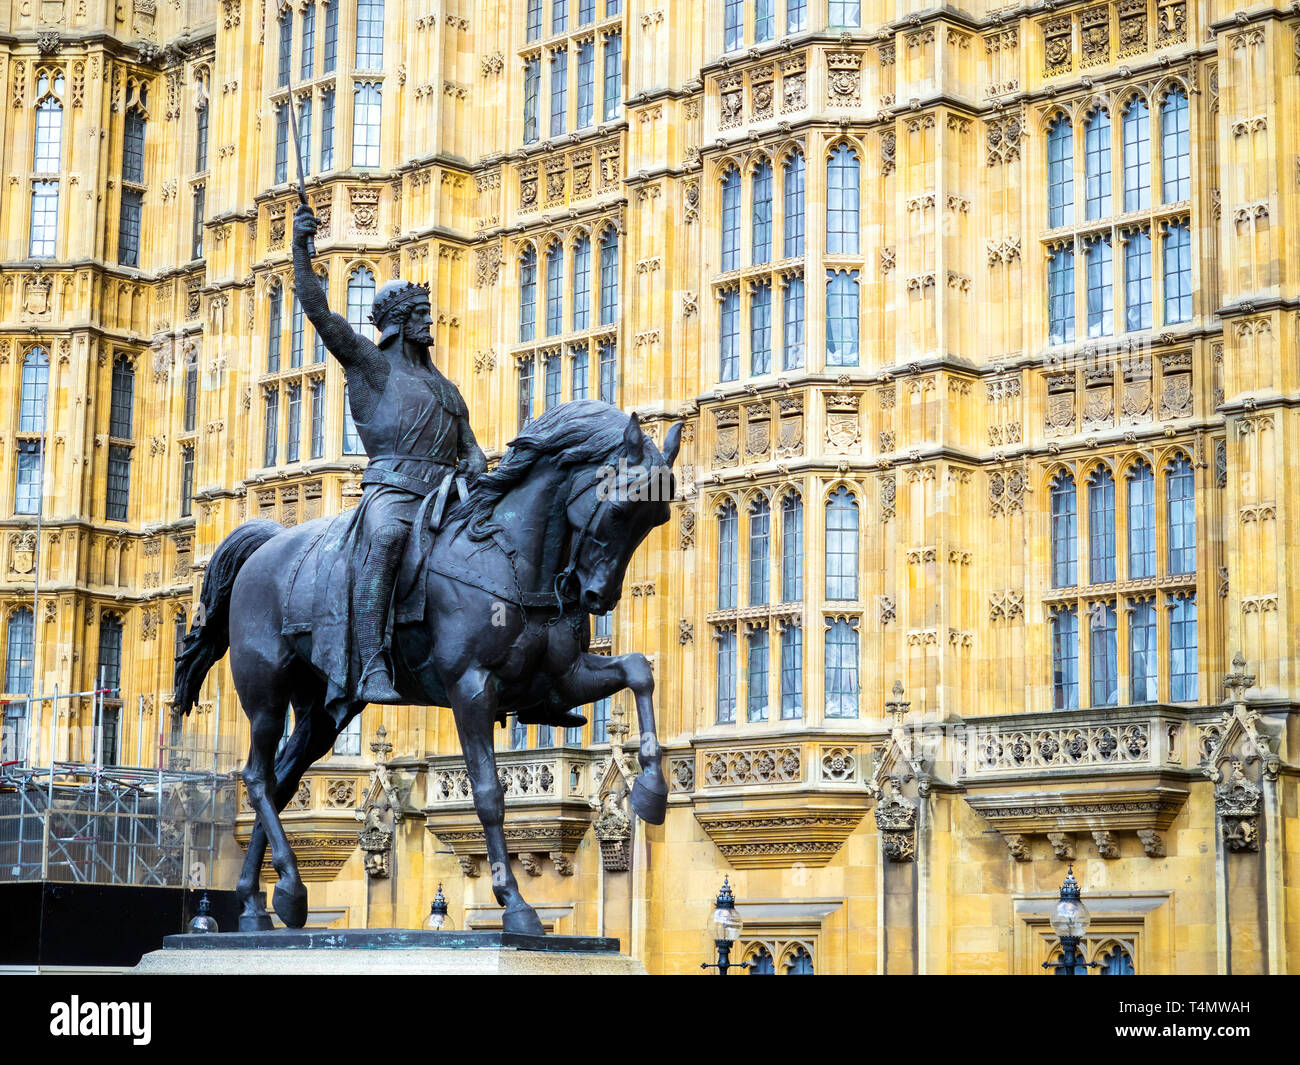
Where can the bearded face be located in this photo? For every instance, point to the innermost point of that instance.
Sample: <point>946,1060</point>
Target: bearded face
<point>418,324</point>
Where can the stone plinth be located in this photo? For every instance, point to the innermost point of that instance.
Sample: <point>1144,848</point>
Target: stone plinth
<point>307,952</point>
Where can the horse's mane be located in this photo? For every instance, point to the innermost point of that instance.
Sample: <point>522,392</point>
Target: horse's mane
<point>582,432</point>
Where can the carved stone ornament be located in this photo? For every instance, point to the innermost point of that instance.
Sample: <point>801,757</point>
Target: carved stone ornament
<point>1237,801</point>
<point>896,820</point>
<point>614,833</point>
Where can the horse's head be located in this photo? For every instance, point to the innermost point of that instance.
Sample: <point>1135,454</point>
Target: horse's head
<point>612,515</point>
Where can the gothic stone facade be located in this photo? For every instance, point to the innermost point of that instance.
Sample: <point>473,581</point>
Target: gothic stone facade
<point>985,329</point>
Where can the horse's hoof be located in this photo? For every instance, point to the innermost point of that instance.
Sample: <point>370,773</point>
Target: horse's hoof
<point>522,920</point>
<point>290,905</point>
<point>649,805</point>
<point>255,922</point>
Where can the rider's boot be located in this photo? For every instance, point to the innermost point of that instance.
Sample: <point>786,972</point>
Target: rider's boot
<point>373,595</point>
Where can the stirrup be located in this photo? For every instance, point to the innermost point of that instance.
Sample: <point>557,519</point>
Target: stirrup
<point>379,672</point>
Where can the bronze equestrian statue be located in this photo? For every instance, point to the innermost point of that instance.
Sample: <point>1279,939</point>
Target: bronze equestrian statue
<point>489,596</point>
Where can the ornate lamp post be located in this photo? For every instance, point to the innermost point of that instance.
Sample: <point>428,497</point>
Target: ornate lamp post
<point>1070,921</point>
<point>726,930</point>
<point>437,919</point>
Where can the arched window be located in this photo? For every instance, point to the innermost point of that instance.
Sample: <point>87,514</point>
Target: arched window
<point>1180,494</point>
<point>49,128</point>
<point>841,545</point>
<point>1137,155</point>
<point>842,317</point>
<point>1182,649</point>
<point>1104,654</point>
<point>841,668</point>
<point>1101,526</point>
<point>1116,962</point>
<point>1142,651</point>
<point>1065,532</point>
<point>297,332</point>
<point>35,387</point>
<point>370,34</point>
<point>532,99</point>
<point>728,556</point>
<point>799,963</point>
<point>760,963</point>
<point>760,539</point>
<point>528,295</point>
<point>1175,147</point>
<point>791,549</point>
<point>1060,173</point>
<point>133,146</point>
<point>761,229</point>
<point>793,189</point>
<point>609,277</point>
<point>1096,163</point>
<point>19,652</point>
<point>582,284</point>
<point>122,401</point>
<point>275,325</point>
<point>842,197</point>
<point>731,220</point>
<point>757,674</point>
<point>132,198</point>
<point>1065,658</point>
<point>1141,522</point>
<point>554,290</point>
<point>307,65</point>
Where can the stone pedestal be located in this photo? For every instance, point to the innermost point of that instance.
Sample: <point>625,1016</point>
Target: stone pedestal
<point>359,952</point>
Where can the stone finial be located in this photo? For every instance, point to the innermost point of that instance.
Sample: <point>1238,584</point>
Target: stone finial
<point>1238,682</point>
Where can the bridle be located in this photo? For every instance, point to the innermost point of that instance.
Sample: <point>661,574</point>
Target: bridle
<point>565,576</point>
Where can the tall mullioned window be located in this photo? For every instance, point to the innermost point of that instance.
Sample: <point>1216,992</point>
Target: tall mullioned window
<point>554,290</point>
<point>121,413</point>
<point>281,173</point>
<point>119,483</point>
<point>293,435</point>
<point>532,99</point>
<point>370,34</point>
<point>35,391</point>
<point>760,329</point>
<point>1104,654</point>
<point>760,551</point>
<point>285,56</point>
<point>791,548</point>
<point>48,153</point>
<point>201,135</point>
<point>1060,173</point>
<point>1137,155</point>
<point>132,204</point>
<point>764,20</point>
<point>297,332</point>
<point>1064,532</point>
<point>733,25</point>
<point>1137,280</point>
<point>731,220</point>
<point>1101,526</point>
<point>582,284</point>
<point>608,369</point>
<point>351,438</point>
<point>792,326</point>
<point>1096,162</point>
<point>361,298</point>
<point>28,487</point>
<point>1065,658</point>
<point>609,277</point>
<point>586,103</point>
<point>307,64</point>
<point>366,109</point>
<point>613,76</point>
<point>841,668</point>
<point>1180,496</point>
<point>793,192</point>
<point>725,668</point>
<point>1142,669</point>
<point>551,382</point>
<point>1175,147</point>
<point>729,336</point>
<point>728,557</point>
<point>846,13</point>
<point>533,20</point>
<point>1178,273</point>
<point>304,134</point>
<point>1182,648</point>
<point>1141,522</point>
<point>791,670</point>
<point>271,439</point>
<point>330,46</point>
<point>841,545</point>
<point>1060,295</point>
<point>796,15</point>
<point>757,675</point>
<point>187,480</point>
<point>528,296</point>
<point>580,373</point>
<point>1101,287</point>
<point>761,221</point>
<point>842,198</point>
<point>842,318</point>
<point>191,417</point>
<point>274,327</point>
<point>45,223</point>
<point>526,383</point>
<point>327,129</point>
<point>197,211</point>
<point>20,652</point>
<point>559,90</point>
<point>317,419</point>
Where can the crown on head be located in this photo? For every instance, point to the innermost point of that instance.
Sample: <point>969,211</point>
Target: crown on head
<point>395,298</point>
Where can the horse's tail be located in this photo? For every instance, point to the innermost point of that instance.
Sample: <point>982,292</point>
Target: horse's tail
<point>209,635</point>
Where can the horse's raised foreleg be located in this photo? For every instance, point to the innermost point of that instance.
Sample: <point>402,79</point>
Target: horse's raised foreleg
<point>313,735</point>
<point>474,706</point>
<point>594,677</point>
<point>290,897</point>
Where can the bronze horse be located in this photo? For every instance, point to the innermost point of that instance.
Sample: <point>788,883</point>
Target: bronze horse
<point>502,594</point>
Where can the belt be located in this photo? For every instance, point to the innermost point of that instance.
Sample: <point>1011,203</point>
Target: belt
<point>407,483</point>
